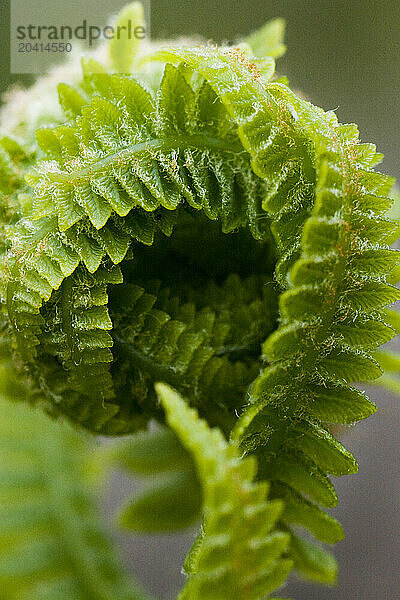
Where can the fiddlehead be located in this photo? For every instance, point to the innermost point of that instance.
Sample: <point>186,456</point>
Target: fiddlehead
<point>216,232</point>
<point>90,207</point>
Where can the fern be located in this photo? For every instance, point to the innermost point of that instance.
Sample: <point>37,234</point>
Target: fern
<point>332,268</point>
<point>236,554</point>
<point>171,499</point>
<point>52,546</point>
<point>199,224</point>
<point>78,228</point>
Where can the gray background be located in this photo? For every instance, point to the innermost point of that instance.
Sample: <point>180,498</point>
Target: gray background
<point>344,55</point>
<point>97,13</point>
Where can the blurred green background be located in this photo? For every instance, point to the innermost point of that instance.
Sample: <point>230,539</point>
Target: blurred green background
<point>344,55</point>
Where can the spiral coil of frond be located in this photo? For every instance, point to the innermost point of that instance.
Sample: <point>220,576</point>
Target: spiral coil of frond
<point>219,234</point>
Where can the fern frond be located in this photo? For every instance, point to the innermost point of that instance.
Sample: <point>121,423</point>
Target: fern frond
<point>278,318</point>
<point>268,40</point>
<point>333,260</point>
<point>236,555</point>
<point>171,499</point>
<point>123,51</point>
<point>114,178</point>
<point>52,546</point>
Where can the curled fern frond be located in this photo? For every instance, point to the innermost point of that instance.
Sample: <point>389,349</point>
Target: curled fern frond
<point>326,204</point>
<point>120,175</point>
<point>216,232</point>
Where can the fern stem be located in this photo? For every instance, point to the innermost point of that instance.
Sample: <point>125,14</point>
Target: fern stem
<point>121,157</point>
<point>156,371</point>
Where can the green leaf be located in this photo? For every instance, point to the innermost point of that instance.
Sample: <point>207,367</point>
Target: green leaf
<point>300,511</point>
<point>149,452</point>
<point>371,295</point>
<point>390,363</point>
<point>339,404</point>
<point>173,503</point>
<point>125,44</point>
<point>313,562</point>
<point>52,545</point>
<point>238,554</point>
<point>268,40</point>
<point>302,475</point>
<point>71,100</point>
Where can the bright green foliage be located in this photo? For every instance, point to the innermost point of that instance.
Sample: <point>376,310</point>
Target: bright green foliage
<point>326,203</point>
<point>236,555</point>
<point>268,40</point>
<point>91,206</point>
<point>122,49</point>
<point>390,363</point>
<point>172,499</point>
<point>212,230</point>
<point>52,546</point>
